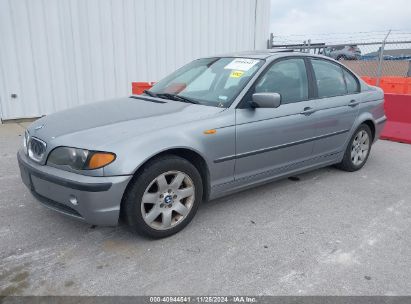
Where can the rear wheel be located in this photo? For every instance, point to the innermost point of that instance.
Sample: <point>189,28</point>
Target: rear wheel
<point>358,150</point>
<point>164,198</point>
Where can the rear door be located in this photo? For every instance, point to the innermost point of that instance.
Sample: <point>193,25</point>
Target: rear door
<point>271,141</point>
<point>337,105</point>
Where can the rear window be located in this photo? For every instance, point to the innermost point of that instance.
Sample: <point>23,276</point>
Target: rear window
<point>352,83</point>
<point>329,78</point>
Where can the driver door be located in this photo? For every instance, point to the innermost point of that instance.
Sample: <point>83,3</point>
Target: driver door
<point>272,141</point>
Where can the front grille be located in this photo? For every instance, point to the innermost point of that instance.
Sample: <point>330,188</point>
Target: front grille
<point>36,148</point>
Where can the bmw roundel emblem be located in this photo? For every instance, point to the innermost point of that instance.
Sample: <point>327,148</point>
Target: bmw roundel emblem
<point>168,199</point>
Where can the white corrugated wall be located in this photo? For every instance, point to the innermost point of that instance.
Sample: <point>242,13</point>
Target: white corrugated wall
<point>56,54</point>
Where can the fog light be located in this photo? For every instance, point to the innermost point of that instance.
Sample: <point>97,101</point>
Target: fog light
<point>73,200</point>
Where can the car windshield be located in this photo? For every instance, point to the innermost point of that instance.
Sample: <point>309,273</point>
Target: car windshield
<point>208,81</point>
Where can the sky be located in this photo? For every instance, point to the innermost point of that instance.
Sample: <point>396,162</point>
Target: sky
<point>316,18</point>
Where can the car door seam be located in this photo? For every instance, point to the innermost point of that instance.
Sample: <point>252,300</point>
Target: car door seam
<point>276,169</point>
<point>259,151</point>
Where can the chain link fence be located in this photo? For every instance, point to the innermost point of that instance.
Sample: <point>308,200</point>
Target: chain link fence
<point>369,54</point>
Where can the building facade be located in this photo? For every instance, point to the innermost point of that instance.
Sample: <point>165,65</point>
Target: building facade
<point>56,54</point>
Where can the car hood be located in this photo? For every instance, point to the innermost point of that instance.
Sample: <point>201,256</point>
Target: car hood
<point>109,120</point>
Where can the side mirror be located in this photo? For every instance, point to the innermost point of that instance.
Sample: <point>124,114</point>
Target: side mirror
<point>266,100</point>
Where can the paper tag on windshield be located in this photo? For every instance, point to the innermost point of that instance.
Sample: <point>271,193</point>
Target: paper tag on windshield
<point>236,74</point>
<point>242,64</point>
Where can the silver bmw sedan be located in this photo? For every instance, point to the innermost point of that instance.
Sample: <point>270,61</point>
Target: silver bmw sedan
<point>216,126</point>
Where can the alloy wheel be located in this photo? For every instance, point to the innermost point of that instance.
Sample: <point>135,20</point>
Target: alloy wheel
<point>167,200</point>
<point>360,148</point>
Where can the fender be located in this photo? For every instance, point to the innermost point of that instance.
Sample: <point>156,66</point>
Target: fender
<point>133,153</point>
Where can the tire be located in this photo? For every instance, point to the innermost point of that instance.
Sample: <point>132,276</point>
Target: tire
<point>349,162</point>
<point>168,184</point>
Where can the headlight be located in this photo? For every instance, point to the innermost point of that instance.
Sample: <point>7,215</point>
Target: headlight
<point>80,159</point>
<point>26,141</point>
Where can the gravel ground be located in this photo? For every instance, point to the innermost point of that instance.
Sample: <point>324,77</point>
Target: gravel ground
<point>328,233</point>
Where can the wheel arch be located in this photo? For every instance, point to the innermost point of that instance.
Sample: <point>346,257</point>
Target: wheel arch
<point>190,155</point>
<point>367,119</point>
<point>371,125</point>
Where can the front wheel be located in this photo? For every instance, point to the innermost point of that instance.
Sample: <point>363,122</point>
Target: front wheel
<point>164,198</point>
<point>358,150</point>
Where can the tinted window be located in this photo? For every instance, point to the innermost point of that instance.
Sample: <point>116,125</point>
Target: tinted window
<point>330,79</point>
<point>288,78</point>
<point>352,84</point>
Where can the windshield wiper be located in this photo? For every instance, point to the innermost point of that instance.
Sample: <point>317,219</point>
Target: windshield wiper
<point>149,93</point>
<point>176,97</point>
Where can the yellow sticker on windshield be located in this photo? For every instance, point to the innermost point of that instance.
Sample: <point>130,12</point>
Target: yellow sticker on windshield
<point>236,74</point>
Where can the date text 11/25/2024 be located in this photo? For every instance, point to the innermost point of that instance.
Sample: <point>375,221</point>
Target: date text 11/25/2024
<point>203,299</point>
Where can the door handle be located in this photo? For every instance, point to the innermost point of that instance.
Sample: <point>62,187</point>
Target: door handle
<point>353,103</point>
<point>308,111</point>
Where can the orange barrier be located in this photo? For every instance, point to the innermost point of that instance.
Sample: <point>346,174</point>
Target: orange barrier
<point>397,85</point>
<point>370,80</point>
<point>138,88</point>
<point>398,111</point>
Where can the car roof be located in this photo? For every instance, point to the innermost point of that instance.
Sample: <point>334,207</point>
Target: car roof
<point>264,54</point>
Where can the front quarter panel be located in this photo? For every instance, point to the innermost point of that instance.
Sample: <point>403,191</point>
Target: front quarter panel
<point>134,152</point>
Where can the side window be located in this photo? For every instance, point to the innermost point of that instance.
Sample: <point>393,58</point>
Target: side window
<point>352,84</point>
<point>288,78</point>
<point>330,79</point>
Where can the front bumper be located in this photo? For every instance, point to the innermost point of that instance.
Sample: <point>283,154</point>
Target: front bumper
<point>96,199</point>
